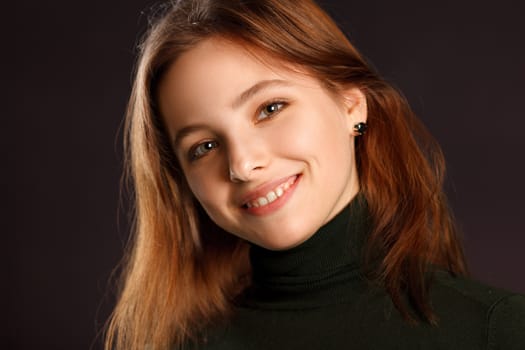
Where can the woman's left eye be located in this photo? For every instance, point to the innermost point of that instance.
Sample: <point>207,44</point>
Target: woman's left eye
<point>270,109</point>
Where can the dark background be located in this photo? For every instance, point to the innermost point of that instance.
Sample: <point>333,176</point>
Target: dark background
<point>67,74</point>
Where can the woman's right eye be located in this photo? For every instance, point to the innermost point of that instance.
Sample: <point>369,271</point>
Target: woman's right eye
<point>202,149</point>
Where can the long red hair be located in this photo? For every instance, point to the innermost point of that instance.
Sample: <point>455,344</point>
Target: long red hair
<point>177,280</point>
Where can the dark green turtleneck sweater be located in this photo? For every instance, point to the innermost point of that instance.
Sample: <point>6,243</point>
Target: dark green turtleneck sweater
<point>314,297</point>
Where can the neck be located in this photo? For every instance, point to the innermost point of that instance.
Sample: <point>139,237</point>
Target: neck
<point>332,254</point>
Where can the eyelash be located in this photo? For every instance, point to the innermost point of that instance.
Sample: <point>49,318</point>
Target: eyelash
<point>202,149</point>
<point>209,145</point>
<point>263,109</point>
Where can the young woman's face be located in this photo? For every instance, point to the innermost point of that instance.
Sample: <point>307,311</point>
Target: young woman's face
<point>267,151</point>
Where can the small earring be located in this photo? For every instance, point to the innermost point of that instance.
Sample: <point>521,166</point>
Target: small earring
<point>360,128</point>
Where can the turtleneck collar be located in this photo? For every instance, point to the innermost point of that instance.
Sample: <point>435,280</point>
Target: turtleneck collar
<point>303,276</point>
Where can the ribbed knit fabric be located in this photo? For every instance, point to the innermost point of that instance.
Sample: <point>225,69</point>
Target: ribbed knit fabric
<point>314,297</point>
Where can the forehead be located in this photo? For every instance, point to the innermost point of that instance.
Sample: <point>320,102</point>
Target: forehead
<point>223,54</point>
<point>217,69</point>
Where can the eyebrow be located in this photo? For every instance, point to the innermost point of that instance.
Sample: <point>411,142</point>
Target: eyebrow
<point>257,88</point>
<point>185,131</point>
<point>240,100</point>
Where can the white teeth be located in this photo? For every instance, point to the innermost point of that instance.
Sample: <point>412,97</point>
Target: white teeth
<point>271,196</point>
<point>262,201</point>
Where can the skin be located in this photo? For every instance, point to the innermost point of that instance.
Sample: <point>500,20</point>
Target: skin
<point>241,128</point>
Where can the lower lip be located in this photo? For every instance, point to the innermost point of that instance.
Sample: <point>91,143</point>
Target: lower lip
<point>276,204</point>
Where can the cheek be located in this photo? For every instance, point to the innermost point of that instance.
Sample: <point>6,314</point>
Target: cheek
<point>319,133</point>
<point>208,183</point>
<point>298,133</point>
<point>209,199</point>
<point>202,185</point>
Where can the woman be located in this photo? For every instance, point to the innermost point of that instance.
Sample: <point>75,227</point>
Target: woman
<point>268,216</point>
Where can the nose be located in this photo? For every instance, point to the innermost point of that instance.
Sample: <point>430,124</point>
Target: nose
<point>247,157</point>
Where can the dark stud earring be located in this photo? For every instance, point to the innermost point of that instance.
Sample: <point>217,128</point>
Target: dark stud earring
<point>360,128</point>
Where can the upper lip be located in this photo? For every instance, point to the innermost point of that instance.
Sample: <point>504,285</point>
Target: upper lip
<point>264,189</point>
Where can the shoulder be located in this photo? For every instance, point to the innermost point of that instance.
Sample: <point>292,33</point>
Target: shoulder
<point>507,323</point>
<point>468,291</point>
<point>500,314</point>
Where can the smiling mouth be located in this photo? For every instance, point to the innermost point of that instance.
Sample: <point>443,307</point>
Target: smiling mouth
<point>272,195</point>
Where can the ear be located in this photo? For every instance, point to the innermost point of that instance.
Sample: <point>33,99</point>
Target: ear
<point>355,108</point>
